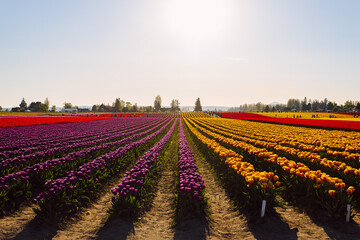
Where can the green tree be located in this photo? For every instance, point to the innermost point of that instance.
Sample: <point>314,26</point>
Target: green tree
<point>95,108</point>
<point>37,107</point>
<point>117,105</point>
<point>23,105</point>
<point>315,105</point>
<point>135,108</point>
<point>102,108</point>
<point>330,106</point>
<point>349,105</point>
<point>157,103</point>
<point>303,105</point>
<point>357,107</point>
<point>293,104</point>
<point>67,105</point>
<point>149,109</point>
<point>53,108</point>
<point>128,107</point>
<point>0,108</point>
<point>267,108</point>
<point>47,104</point>
<point>175,105</point>
<point>198,107</point>
<point>43,107</point>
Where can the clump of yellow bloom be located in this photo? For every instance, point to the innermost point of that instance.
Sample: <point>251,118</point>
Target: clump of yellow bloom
<point>350,190</point>
<point>332,192</point>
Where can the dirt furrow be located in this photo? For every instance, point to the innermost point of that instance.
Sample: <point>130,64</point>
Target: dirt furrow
<point>15,223</point>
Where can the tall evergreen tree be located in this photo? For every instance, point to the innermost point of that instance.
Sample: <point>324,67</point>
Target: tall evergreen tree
<point>117,106</point>
<point>175,105</point>
<point>47,104</point>
<point>23,105</point>
<point>157,103</point>
<point>198,107</point>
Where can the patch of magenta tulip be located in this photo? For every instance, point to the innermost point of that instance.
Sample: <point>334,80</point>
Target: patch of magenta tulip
<point>51,164</point>
<point>191,182</point>
<point>18,138</point>
<point>134,179</point>
<point>30,159</point>
<point>73,178</point>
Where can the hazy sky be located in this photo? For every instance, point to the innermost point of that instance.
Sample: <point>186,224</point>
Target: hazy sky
<point>227,52</point>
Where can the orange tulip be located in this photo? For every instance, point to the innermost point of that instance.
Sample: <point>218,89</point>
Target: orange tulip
<point>350,190</point>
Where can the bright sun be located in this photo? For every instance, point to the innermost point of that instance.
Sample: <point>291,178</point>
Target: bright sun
<point>197,21</point>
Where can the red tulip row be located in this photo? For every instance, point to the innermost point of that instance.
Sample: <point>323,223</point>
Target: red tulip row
<point>27,121</point>
<point>323,123</point>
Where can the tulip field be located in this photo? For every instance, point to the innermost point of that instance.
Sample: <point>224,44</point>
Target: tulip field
<point>317,120</point>
<point>60,167</point>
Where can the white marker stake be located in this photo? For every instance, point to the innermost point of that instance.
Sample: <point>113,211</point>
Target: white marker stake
<point>348,213</point>
<point>263,208</point>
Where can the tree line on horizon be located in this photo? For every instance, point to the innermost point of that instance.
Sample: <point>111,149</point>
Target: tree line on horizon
<point>305,105</point>
<point>295,105</point>
<point>117,106</point>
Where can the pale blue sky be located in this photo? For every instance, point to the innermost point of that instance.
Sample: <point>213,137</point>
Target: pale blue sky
<point>227,52</point>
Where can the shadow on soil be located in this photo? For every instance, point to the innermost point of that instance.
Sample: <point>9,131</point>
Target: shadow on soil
<point>119,227</point>
<point>196,227</point>
<point>270,227</point>
<point>334,228</point>
<point>37,229</point>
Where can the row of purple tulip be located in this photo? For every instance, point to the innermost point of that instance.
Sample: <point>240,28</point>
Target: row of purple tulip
<point>25,136</point>
<point>87,172</point>
<point>9,165</point>
<point>43,141</point>
<point>85,154</point>
<point>191,182</point>
<point>133,180</point>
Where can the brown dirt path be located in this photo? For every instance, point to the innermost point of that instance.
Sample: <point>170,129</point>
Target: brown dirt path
<point>155,223</point>
<point>224,222</point>
<point>15,223</point>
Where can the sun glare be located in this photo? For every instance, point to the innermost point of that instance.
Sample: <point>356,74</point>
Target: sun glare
<point>197,21</point>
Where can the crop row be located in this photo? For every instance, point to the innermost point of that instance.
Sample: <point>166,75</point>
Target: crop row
<point>67,194</point>
<point>135,184</point>
<point>250,185</point>
<point>17,186</point>
<point>42,140</point>
<point>342,144</point>
<point>27,121</point>
<point>322,123</point>
<point>314,183</point>
<point>19,141</point>
<point>12,164</point>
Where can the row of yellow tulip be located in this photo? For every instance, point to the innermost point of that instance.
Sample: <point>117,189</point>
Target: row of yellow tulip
<point>195,115</point>
<point>235,161</point>
<point>333,139</point>
<point>298,169</point>
<point>310,115</point>
<point>281,136</point>
<point>310,156</point>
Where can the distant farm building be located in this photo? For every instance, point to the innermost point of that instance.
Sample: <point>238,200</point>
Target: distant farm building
<point>69,110</point>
